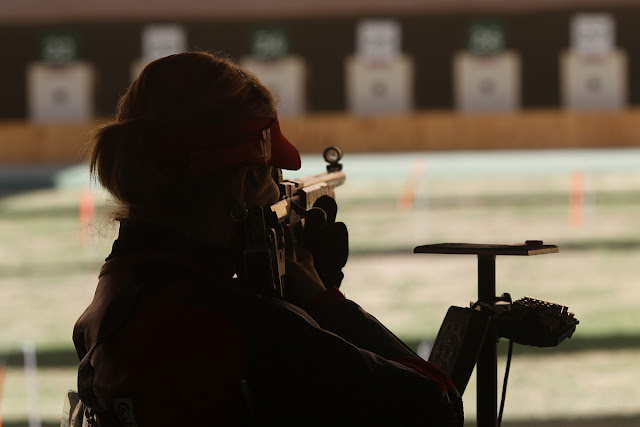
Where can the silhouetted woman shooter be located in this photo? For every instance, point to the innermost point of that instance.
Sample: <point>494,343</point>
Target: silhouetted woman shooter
<point>172,337</point>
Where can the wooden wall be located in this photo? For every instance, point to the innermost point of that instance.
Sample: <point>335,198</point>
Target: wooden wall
<point>442,130</point>
<point>21,142</point>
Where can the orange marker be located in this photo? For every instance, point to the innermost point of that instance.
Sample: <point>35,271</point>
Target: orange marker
<point>86,214</point>
<point>408,195</point>
<point>576,199</point>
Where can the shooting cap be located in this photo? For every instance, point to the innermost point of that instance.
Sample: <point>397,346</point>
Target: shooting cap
<point>201,151</point>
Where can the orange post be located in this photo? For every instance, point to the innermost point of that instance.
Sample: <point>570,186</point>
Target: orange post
<point>408,195</point>
<point>576,199</point>
<point>86,214</point>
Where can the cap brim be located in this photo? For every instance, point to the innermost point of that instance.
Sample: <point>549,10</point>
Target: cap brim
<point>284,154</point>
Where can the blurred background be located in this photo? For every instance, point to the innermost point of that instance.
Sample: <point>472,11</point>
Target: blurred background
<point>467,121</point>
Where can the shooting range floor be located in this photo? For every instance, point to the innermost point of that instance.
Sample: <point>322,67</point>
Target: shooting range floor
<point>464,163</point>
<point>380,166</point>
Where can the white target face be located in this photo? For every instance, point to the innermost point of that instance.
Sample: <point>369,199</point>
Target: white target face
<point>60,93</point>
<point>383,88</point>
<point>286,78</point>
<point>487,83</point>
<point>594,83</point>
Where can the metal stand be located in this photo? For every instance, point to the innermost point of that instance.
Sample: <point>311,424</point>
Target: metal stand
<point>487,365</point>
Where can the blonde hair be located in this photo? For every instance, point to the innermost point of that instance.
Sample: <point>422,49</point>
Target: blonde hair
<point>178,91</point>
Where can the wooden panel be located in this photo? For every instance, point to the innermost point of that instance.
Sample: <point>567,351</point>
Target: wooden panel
<point>21,142</point>
<point>24,143</point>
<point>451,131</point>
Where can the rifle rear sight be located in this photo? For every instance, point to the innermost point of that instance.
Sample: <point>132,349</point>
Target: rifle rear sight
<point>332,155</point>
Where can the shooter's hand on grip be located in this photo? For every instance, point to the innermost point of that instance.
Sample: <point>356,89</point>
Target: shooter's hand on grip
<point>327,240</point>
<point>302,281</point>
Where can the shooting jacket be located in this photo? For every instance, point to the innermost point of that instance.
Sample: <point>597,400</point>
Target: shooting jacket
<point>170,339</point>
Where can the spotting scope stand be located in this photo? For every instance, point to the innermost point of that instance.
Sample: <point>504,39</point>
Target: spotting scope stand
<point>487,359</point>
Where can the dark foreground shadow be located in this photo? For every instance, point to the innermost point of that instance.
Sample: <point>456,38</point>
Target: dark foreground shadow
<point>623,421</point>
<point>626,421</point>
<point>66,357</point>
<point>26,423</point>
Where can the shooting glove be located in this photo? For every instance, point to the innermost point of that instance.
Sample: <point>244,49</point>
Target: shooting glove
<point>327,240</point>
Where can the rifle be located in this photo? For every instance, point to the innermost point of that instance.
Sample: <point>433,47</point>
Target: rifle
<point>268,231</point>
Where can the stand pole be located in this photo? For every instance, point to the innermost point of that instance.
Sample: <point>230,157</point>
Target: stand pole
<point>487,367</point>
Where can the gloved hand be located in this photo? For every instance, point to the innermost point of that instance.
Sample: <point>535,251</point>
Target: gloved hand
<point>327,240</point>
<point>302,283</point>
